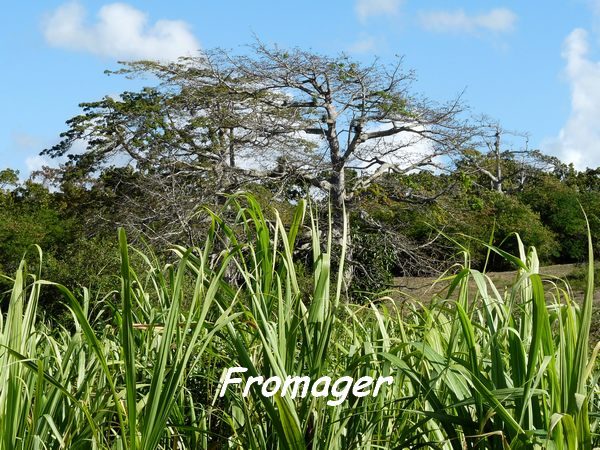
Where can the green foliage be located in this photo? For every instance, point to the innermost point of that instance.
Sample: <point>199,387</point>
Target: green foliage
<point>32,215</point>
<point>505,215</point>
<point>558,205</point>
<point>28,216</point>
<point>8,178</point>
<point>463,213</point>
<point>376,260</point>
<point>475,369</point>
<point>74,268</point>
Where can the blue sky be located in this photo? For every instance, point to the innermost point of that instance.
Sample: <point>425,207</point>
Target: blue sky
<point>533,66</point>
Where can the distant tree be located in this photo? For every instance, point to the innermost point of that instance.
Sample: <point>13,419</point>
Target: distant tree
<point>154,157</point>
<point>559,205</point>
<point>8,178</point>
<point>587,180</point>
<point>506,168</point>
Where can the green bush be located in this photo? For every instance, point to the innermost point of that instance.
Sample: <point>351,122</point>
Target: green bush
<point>558,205</point>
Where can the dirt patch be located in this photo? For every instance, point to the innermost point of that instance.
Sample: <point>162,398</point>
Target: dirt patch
<point>423,289</point>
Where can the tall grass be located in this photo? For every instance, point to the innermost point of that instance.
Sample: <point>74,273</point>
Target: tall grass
<point>473,367</point>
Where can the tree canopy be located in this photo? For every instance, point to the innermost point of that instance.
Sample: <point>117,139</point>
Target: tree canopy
<point>284,124</point>
<point>273,114</point>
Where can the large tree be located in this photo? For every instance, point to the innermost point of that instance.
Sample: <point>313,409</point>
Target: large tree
<point>221,120</point>
<point>279,111</point>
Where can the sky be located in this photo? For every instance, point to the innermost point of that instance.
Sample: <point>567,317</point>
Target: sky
<point>532,66</point>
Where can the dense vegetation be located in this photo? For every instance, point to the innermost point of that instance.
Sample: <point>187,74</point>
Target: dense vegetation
<point>391,235</point>
<point>208,175</point>
<point>482,370</point>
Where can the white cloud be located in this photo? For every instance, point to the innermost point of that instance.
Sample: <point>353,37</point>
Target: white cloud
<point>499,20</point>
<point>27,146</point>
<point>372,8</point>
<point>36,162</point>
<point>405,150</point>
<point>579,139</point>
<point>25,141</point>
<point>364,44</point>
<point>120,31</point>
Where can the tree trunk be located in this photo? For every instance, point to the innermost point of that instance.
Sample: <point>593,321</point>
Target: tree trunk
<point>338,198</point>
<point>231,148</point>
<point>497,183</point>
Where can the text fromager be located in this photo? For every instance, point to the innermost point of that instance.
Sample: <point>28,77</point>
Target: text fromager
<point>301,386</point>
